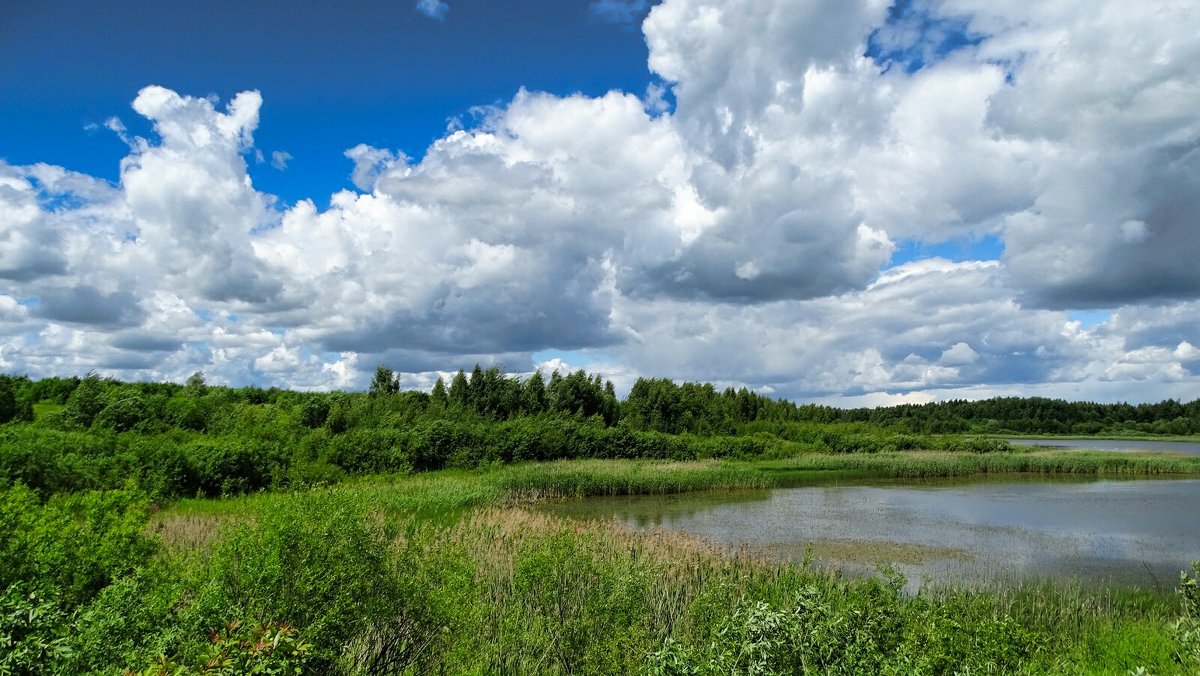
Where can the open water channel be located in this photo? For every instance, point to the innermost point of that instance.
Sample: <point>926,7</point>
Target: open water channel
<point>961,532</point>
<point>1120,445</point>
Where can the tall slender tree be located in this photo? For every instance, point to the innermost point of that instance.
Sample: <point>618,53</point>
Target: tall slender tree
<point>438,396</point>
<point>459,390</point>
<point>385,382</point>
<point>533,394</point>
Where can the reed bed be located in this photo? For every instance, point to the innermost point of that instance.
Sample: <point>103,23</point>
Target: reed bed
<point>931,464</point>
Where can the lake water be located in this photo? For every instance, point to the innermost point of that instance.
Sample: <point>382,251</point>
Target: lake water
<point>972,532</point>
<point>1122,445</point>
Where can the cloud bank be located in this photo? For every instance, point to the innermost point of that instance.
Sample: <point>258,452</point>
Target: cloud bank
<point>746,237</point>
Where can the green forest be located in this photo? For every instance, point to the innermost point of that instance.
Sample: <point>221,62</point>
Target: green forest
<point>165,528</point>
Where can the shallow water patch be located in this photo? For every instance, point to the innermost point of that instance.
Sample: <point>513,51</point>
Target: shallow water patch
<point>975,532</point>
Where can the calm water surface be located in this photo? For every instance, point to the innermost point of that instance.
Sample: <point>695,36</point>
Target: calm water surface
<point>1123,445</point>
<point>973,532</point>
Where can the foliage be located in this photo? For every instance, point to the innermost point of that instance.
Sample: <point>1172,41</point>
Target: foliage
<point>385,382</point>
<point>86,402</point>
<point>12,405</point>
<point>56,559</point>
<point>314,411</point>
<point>123,414</point>
<point>77,544</point>
<point>1187,629</point>
<point>34,630</point>
<point>196,385</point>
<point>240,648</point>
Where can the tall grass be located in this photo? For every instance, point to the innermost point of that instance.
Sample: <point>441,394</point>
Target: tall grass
<point>607,477</point>
<point>930,464</point>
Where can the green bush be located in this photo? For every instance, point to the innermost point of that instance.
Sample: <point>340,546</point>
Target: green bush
<point>123,414</point>
<point>314,411</point>
<point>188,413</point>
<point>976,445</point>
<point>241,648</point>
<point>35,631</point>
<point>367,450</point>
<point>232,465</point>
<point>866,627</point>
<point>318,562</point>
<point>77,544</point>
<point>56,559</point>
<point>1187,628</point>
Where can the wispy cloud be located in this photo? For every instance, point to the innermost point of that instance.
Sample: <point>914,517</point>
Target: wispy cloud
<point>280,159</point>
<point>625,12</point>
<point>434,9</point>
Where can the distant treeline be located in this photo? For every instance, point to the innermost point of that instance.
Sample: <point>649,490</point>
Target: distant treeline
<point>72,434</point>
<point>653,404</point>
<point>66,435</point>
<point>1025,415</point>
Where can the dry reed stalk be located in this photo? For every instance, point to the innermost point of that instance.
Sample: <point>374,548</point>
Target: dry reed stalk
<point>188,533</point>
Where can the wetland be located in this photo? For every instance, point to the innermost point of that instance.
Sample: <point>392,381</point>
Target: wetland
<point>980,531</point>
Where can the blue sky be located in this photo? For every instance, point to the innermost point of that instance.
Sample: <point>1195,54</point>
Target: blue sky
<point>829,200</point>
<point>337,74</point>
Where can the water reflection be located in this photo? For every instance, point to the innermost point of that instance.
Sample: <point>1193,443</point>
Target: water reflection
<point>946,531</point>
<point>1120,445</point>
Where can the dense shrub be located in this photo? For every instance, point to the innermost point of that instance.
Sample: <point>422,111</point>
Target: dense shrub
<point>1187,628</point>
<point>363,451</point>
<point>232,465</point>
<point>314,411</point>
<point>78,543</point>
<point>123,414</point>
<point>975,445</point>
<point>35,630</point>
<point>321,564</point>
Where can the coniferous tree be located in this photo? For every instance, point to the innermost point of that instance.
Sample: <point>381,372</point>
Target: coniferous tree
<point>552,391</point>
<point>611,409</point>
<point>438,396</point>
<point>459,390</point>
<point>533,394</point>
<point>475,386</point>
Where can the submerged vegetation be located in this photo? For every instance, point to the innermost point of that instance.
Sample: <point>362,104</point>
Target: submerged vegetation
<point>166,529</point>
